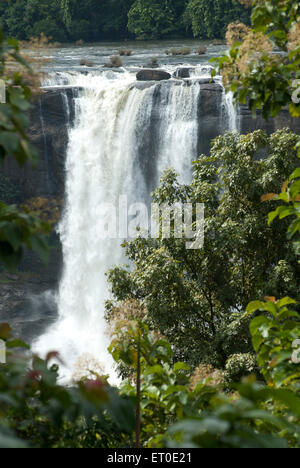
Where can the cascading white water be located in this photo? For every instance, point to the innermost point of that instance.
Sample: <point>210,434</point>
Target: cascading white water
<point>107,149</point>
<point>231,120</point>
<point>178,133</point>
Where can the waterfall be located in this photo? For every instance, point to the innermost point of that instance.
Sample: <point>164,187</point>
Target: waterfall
<point>230,117</point>
<point>47,159</point>
<point>122,139</point>
<point>178,132</point>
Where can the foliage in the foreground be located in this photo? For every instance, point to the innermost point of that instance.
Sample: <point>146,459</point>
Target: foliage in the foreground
<point>256,75</point>
<point>291,196</point>
<point>35,409</point>
<point>198,298</point>
<point>276,340</point>
<point>247,420</point>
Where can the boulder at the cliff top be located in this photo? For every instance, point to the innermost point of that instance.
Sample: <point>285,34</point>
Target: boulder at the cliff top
<point>152,75</point>
<point>182,72</point>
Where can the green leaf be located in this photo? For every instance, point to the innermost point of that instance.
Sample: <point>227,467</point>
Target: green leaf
<point>17,344</point>
<point>285,301</point>
<point>181,366</point>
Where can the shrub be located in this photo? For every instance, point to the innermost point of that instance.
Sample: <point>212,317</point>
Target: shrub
<point>46,209</point>
<point>206,372</point>
<point>125,52</point>
<point>236,32</point>
<point>115,62</point>
<point>86,63</point>
<point>217,42</point>
<point>201,50</point>
<point>153,63</point>
<point>54,45</point>
<point>183,51</point>
<point>41,413</point>
<point>239,366</point>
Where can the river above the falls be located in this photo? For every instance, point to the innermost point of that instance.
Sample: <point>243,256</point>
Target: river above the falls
<point>68,57</point>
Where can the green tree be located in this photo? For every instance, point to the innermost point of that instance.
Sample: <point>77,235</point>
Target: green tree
<point>45,17</point>
<point>197,297</point>
<point>152,19</point>
<point>92,20</point>
<point>24,19</point>
<point>210,18</point>
<point>12,18</point>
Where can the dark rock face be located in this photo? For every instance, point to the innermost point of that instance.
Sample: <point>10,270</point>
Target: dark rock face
<point>51,114</point>
<point>142,85</point>
<point>182,72</point>
<point>54,111</point>
<point>201,81</point>
<point>27,299</point>
<point>210,118</point>
<point>283,120</point>
<point>152,75</point>
<point>186,72</point>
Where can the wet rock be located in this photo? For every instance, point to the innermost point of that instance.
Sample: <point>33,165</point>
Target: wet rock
<point>182,72</point>
<point>202,81</point>
<point>27,299</point>
<point>207,70</point>
<point>282,120</point>
<point>51,114</point>
<point>142,85</point>
<point>86,63</point>
<point>152,75</point>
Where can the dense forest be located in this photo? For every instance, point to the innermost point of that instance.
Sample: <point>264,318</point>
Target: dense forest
<point>94,20</point>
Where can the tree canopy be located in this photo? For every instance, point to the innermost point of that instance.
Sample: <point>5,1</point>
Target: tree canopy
<point>210,18</point>
<point>197,297</point>
<point>92,20</point>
